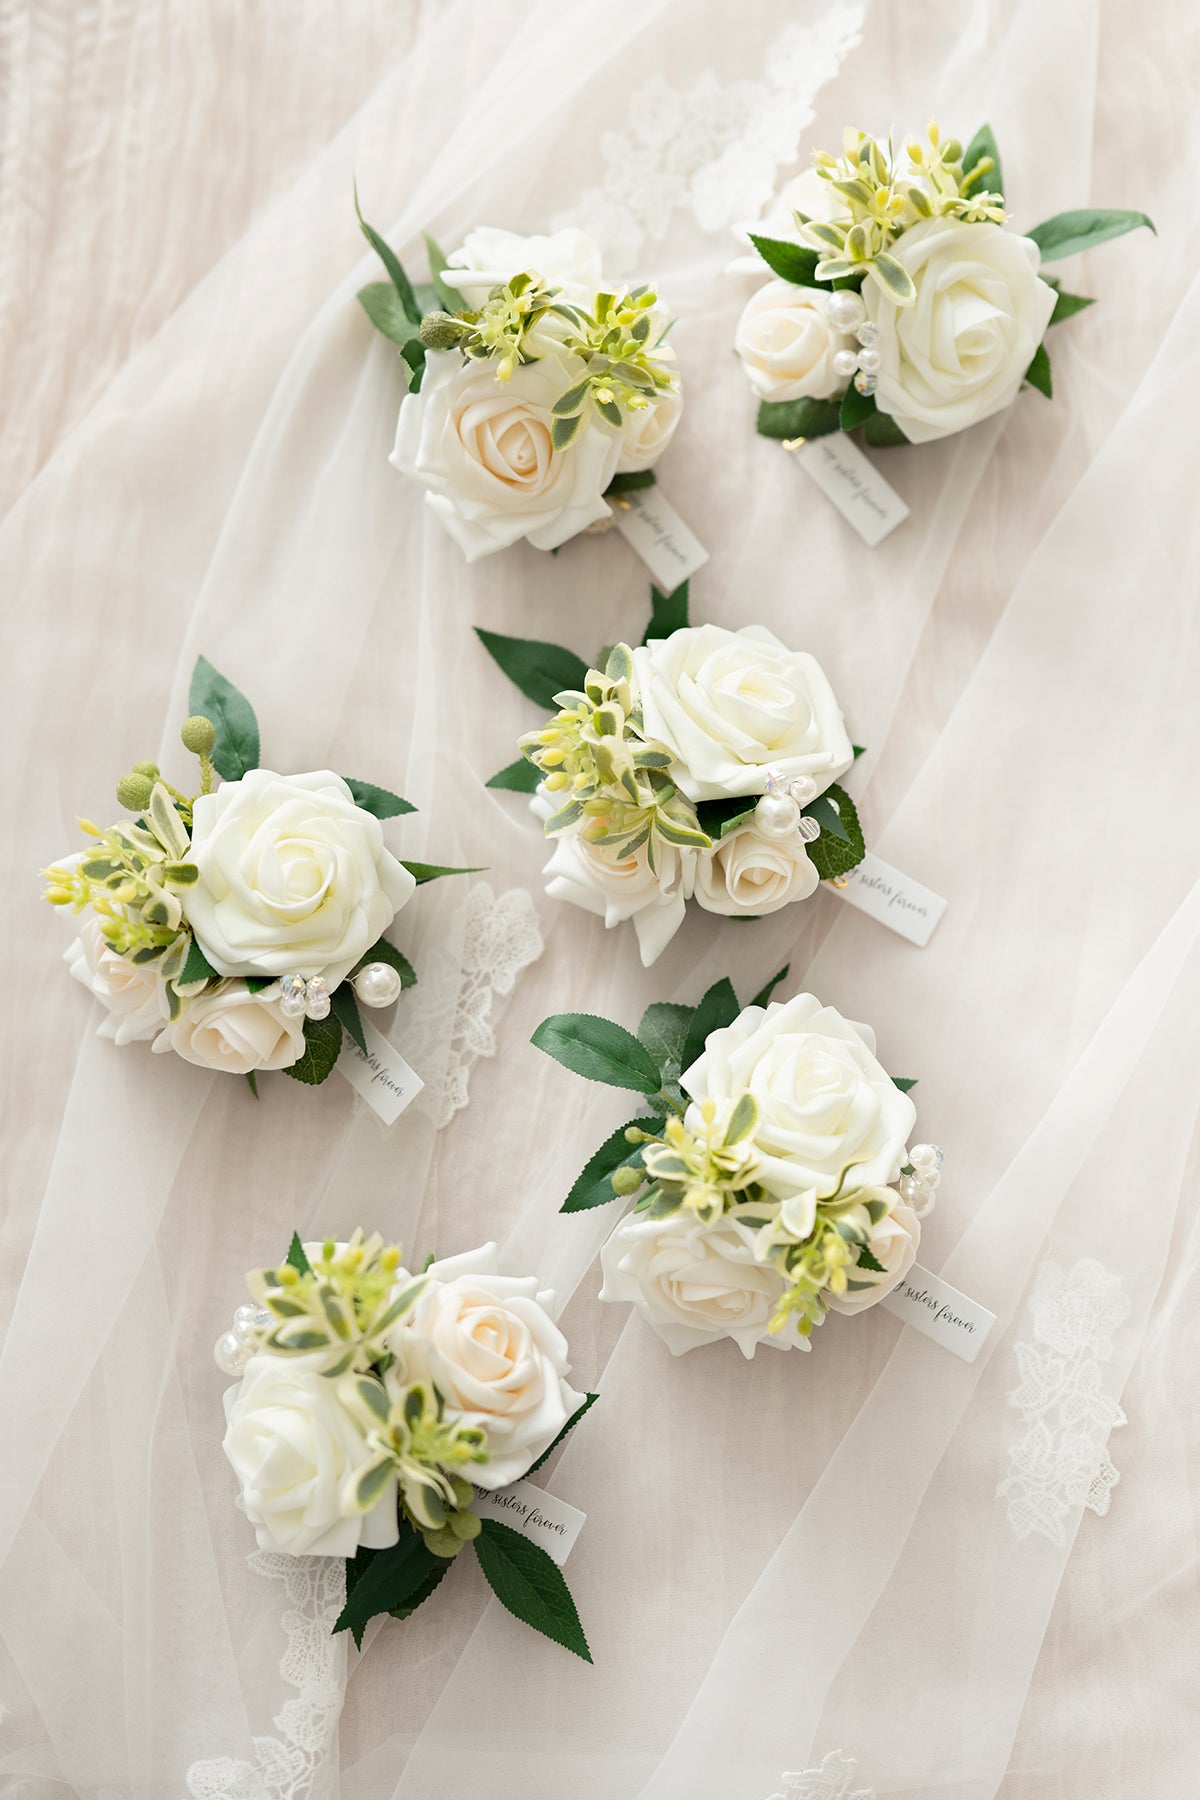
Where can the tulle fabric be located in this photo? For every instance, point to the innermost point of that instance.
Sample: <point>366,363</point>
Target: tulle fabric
<point>786,1557</point>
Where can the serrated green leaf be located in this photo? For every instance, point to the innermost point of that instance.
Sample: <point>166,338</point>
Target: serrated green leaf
<point>197,967</point>
<point>392,264</point>
<point>1067,305</point>
<point>385,309</point>
<point>793,262</point>
<point>867,1261</point>
<point>882,432</point>
<point>382,951</point>
<point>346,1009</point>
<point>1066,234</point>
<point>718,1008</point>
<point>668,612</point>
<point>763,996</point>
<point>419,1595</point>
<point>381,803</point>
<point>856,408</point>
<point>526,1580</point>
<point>384,1580</point>
<point>236,750</point>
<point>826,814</point>
<point>589,1401</point>
<point>599,1050</point>
<point>540,670</point>
<point>520,777</point>
<point>981,145</point>
<point>296,1255</point>
<point>1038,373</point>
<point>719,817</point>
<point>663,1030</point>
<point>829,855</point>
<point>904,1082</point>
<point>422,872</point>
<point>592,1186</point>
<point>322,1047</point>
<point>787,419</point>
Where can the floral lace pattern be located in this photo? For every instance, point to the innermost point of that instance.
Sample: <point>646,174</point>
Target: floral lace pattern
<point>285,1767</point>
<point>832,1781</point>
<point>713,148</point>
<point>1062,1461</point>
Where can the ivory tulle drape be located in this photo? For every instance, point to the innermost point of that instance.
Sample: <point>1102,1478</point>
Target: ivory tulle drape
<point>872,1558</point>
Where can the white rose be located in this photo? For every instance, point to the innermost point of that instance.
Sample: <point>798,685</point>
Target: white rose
<point>748,873</point>
<point>618,888</point>
<point>695,1283</point>
<point>490,257</point>
<point>231,1029</point>
<point>728,705</point>
<point>959,352</point>
<point>294,877</point>
<point>825,1104</point>
<point>648,432</point>
<point>894,1243</point>
<point>787,344</point>
<point>483,450</point>
<point>489,1344</point>
<point>293,1446</point>
<point>133,993</point>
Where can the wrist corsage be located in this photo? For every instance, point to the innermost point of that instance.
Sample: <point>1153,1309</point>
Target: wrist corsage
<point>774,1184</point>
<point>241,926</point>
<point>700,766</point>
<point>904,305</point>
<point>373,1408</point>
<point>536,391</point>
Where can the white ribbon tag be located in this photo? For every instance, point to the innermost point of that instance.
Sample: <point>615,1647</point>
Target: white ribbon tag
<point>537,1515</point>
<point>896,900</point>
<point>938,1311</point>
<point>650,524</point>
<point>382,1076</point>
<point>854,484</point>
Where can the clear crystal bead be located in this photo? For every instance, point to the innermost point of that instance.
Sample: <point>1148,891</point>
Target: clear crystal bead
<point>867,334</point>
<point>866,384</point>
<point>316,997</point>
<point>292,1001</point>
<point>810,830</point>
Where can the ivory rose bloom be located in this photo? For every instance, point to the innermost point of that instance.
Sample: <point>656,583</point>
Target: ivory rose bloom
<point>490,257</point>
<point>294,877</point>
<point>618,888</point>
<point>293,1446</point>
<point>489,1344</point>
<point>728,705</point>
<point>135,997</point>
<point>787,344</point>
<point>483,451</point>
<point>894,1243</point>
<point>648,432</point>
<point>231,1029</point>
<point>826,1106</point>
<point>959,352</point>
<point>748,873</point>
<point>695,1283</point>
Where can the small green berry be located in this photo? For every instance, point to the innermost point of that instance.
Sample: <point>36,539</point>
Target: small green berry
<point>147,768</point>
<point>198,734</point>
<point>465,1525</point>
<point>627,1181</point>
<point>134,791</point>
<point>440,331</point>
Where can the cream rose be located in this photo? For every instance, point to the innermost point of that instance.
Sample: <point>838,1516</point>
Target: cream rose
<point>293,1446</point>
<point>787,344</point>
<point>826,1106</point>
<point>959,352</point>
<point>894,1243</point>
<point>490,257</point>
<point>748,873</point>
<point>728,705</point>
<point>648,432</point>
<point>133,993</point>
<point>483,450</point>
<point>695,1283</point>
<point>489,1344</point>
<point>294,877</point>
<point>618,888</point>
<point>229,1028</point>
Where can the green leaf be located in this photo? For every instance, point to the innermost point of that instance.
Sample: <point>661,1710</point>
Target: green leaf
<point>346,1007</point>
<point>385,309</point>
<point>882,432</point>
<point>382,951</point>
<point>420,1594</point>
<point>449,299</point>
<point>197,967</point>
<point>763,996</point>
<point>385,1580</point>
<point>520,777</point>
<point>894,278</point>
<point>663,1030</point>
<point>413,355</point>
<point>856,408</point>
<point>528,1581</point>
<point>1070,232</point>
<point>423,872</point>
<point>392,264</point>
<point>794,262</point>
<point>1038,373</point>
<point>719,817</point>
<point>867,1261</point>
<point>629,481</point>
<point>981,145</point>
<point>829,855</point>
<point>564,431</point>
<point>570,1425</point>
<point>827,817</point>
<point>237,747</point>
<point>379,801</point>
<point>718,1008</point>
<point>252,1082</point>
<point>296,1255</point>
<point>322,1047</point>
<point>592,1186</point>
<point>798,418</point>
<point>599,1050</point>
<point>668,612</point>
<point>904,1082</point>
<point>540,670</point>
<point>1067,305</point>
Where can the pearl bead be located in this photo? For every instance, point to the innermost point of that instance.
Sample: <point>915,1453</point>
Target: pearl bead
<point>846,310</point>
<point>870,361</point>
<point>867,334</point>
<point>845,362</point>
<point>316,997</point>
<point>291,997</point>
<point>803,789</point>
<point>866,384</point>
<point>230,1354</point>
<point>925,1156</point>
<point>378,984</point>
<point>777,815</point>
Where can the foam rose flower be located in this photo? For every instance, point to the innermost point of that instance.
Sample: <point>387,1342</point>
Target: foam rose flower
<point>894,1244</point>
<point>294,878</point>
<point>617,888</point>
<point>787,342</point>
<point>135,998</point>
<point>751,875</point>
<point>234,1030</point>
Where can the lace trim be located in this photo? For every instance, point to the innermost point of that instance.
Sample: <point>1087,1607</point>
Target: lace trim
<point>1062,1460</point>
<point>713,149</point>
<point>285,1767</point>
<point>830,1782</point>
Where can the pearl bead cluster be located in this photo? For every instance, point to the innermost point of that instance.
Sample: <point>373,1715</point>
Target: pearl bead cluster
<point>919,1186</point>
<point>233,1350</point>
<point>847,312</point>
<point>778,813</point>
